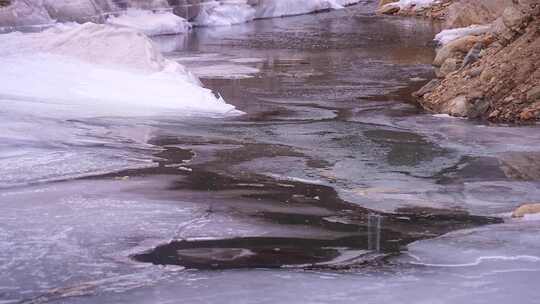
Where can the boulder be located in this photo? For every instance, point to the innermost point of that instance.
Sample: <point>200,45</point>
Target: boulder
<point>513,17</point>
<point>526,209</point>
<point>465,12</point>
<point>385,2</point>
<point>389,9</point>
<point>460,46</point>
<point>458,106</point>
<point>450,65</point>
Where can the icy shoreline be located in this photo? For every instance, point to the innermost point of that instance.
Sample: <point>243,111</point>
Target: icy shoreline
<point>156,17</point>
<point>55,83</point>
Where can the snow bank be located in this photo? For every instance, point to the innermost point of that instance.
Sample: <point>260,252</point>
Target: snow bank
<point>112,71</point>
<point>280,8</point>
<point>414,4</point>
<point>220,14</point>
<point>410,4</point>
<point>452,34</point>
<point>239,11</point>
<point>151,23</point>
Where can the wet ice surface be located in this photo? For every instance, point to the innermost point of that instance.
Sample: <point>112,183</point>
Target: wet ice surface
<point>325,108</point>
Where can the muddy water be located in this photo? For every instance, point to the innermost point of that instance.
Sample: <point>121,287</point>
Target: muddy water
<point>313,196</point>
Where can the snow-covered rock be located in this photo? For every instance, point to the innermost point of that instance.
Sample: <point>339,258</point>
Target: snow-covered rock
<point>446,36</point>
<point>408,5</point>
<point>229,13</point>
<point>151,23</point>
<point>241,11</point>
<point>100,69</point>
<point>415,4</point>
<point>280,8</point>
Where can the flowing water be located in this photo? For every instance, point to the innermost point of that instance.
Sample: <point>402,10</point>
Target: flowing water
<point>332,188</point>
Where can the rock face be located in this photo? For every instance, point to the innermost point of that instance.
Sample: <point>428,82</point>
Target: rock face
<point>40,12</point>
<point>466,12</point>
<point>504,84</point>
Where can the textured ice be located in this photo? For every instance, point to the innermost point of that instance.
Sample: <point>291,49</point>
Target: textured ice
<point>151,23</point>
<point>516,243</point>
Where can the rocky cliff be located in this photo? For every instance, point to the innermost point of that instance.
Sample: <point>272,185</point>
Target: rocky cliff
<point>499,83</point>
<point>488,63</point>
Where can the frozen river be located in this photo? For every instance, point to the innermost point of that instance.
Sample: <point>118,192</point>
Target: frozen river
<point>332,188</point>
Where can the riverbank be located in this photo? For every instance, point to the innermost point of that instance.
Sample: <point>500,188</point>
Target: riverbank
<point>498,81</point>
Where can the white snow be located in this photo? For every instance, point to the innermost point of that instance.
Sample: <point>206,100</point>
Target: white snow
<point>151,23</point>
<point>411,4</point>
<point>140,16</point>
<point>54,82</point>
<point>118,69</point>
<point>280,8</point>
<point>452,34</point>
<point>222,14</point>
<point>239,11</point>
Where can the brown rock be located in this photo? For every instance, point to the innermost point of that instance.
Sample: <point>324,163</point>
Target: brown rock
<point>458,106</point>
<point>487,75</point>
<point>461,45</point>
<point>450,65</point>
<point>388,9</point>
<point>429,87</point>
<point>465,12</point>
<point>512,17</point>
<point>526,209</point>
<point>385,2</point>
